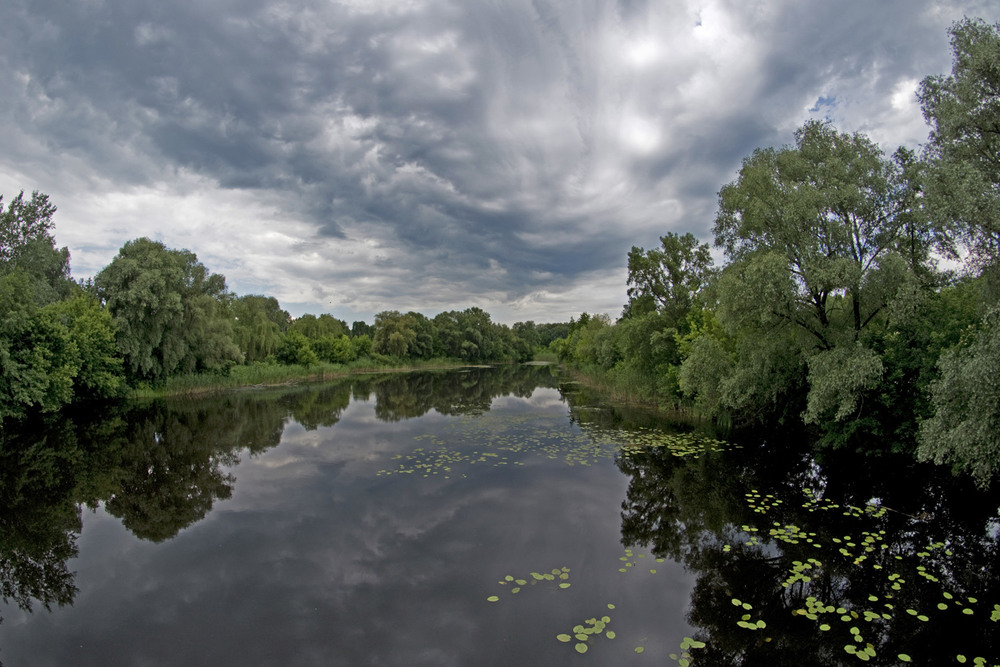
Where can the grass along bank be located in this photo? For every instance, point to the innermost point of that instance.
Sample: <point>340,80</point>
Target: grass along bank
<point>266,375</point>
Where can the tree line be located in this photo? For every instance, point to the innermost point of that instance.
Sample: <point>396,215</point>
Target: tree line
<point>156,312</point>
<point>832,310</point>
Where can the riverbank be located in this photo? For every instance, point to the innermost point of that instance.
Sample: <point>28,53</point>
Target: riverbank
<point>273,375</point>
<point>623,391</point>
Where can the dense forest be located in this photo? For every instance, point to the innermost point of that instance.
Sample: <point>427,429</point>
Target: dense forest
<point>155,313</point>
<point>860,297</point>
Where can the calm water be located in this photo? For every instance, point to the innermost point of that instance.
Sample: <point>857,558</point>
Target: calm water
<point>371,522</point>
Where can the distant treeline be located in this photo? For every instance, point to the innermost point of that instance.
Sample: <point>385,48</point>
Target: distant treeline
<point>832,310</point>
<point>154,313</point>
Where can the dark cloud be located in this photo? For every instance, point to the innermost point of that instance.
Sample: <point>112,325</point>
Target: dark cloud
<point>505,149</point>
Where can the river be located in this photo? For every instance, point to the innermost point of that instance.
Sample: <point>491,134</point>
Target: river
<point>480,516</point>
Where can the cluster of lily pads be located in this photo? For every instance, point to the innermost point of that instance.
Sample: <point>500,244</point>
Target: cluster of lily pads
<point>631,560</point>
<point>517,583</point>
<point>588,630</point>
<point>860,552</point>
<point>500,441</point>
<point>684,658</point>
<point>681,445</point>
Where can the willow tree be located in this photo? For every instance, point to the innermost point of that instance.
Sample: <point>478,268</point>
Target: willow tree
<point>258,325</point>
<point>963,110</point>
<point>170,312</point>
<point>822,237</point>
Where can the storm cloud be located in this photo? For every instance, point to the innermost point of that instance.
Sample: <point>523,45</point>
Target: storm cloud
<point>355,156</point>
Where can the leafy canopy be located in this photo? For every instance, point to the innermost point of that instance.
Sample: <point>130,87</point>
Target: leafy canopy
<point>963,110</point>
<point>171,313</point>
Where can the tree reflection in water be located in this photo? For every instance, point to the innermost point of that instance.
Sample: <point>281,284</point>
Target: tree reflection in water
<point>826,581</point>
<point>762,525</point>
<point>160,466</point>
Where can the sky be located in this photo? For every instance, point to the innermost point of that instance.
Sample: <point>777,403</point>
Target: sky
<point>355,156</point>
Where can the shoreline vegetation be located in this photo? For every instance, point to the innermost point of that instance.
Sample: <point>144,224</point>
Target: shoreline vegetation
<point>277,375</point>
<point>831,312</point>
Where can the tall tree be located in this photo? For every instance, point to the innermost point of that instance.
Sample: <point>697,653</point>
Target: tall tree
<point>963,189</point>
<point>169,311</point>
<point>665,279</point>
<point>817,231</point>
<point>821,242</point>
<point>257,326</point>
<point>23,222</point>
<point>27,245</point>
<point>395,333</point>
<point>963,110</point>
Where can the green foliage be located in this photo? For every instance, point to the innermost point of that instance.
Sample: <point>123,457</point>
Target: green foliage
<point>335,349</point>
<point>472,336</point>
<point>767,379</point>
<point>551,331</point>
<point>362,345</point>
<point>963,184</point>
<point>528,332</point>
<point>827,241</point>
<point>395,333</point>
<point>837,379</point>
<point>24,222</point>
<point>314,328</point>
<point>647,355</point>
<point>812,229</point>
<point>706,365</point>
<point>257,326</point>
<point>589,337</point>
<point>169,312</point>
<point>296,350</point>
<point>666,279</point>
<point>27,246</point>
<point>964,430</point>
<point>361,328</point>
<point>92,331</point>
<point>38,357</point>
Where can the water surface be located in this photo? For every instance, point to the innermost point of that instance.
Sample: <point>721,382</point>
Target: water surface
<point>372,521</point>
